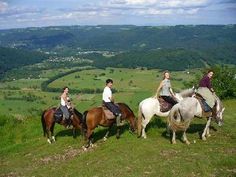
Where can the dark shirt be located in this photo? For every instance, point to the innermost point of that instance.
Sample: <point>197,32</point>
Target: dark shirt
<point>205,82</point>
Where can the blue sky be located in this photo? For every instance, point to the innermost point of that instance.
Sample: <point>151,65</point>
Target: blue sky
<point>37,13</point>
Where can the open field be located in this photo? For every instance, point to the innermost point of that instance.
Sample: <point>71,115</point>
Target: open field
<point>25,152</point>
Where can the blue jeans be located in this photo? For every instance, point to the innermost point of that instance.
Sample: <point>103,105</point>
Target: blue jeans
<point>65,111</point>
<point>112,107</point>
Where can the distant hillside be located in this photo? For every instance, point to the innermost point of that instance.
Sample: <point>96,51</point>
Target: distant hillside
<point>173,47</point>
<point>121,37</point>
<point>13,58</point>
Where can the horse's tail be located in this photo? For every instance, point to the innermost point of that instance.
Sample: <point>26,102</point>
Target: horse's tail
<point>139,122</point>
<point>84,125</point>
<point>43,123</point>
<point>175,120</point>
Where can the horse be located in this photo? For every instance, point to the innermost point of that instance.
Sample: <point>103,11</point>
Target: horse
<point>96,116</point>
<point>151,106</point>
<point>183,112</point>
<point>48,122</point>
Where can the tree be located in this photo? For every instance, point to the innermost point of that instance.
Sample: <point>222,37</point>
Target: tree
<point>223,81</point>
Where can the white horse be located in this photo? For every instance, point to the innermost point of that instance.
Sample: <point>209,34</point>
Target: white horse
<point>151,106</point>
<point>183,112</point>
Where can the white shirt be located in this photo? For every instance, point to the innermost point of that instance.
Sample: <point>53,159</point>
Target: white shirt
<point>107,94</point>
<point>63,103</point>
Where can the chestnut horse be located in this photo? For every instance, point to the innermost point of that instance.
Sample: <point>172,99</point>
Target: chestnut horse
<point>96,116</point>
<point>48,122</point>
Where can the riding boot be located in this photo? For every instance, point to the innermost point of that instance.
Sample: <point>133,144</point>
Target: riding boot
<point>68,122</point>
<point>118,121</point>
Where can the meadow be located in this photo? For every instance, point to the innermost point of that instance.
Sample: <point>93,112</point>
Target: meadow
<point>25,152</point>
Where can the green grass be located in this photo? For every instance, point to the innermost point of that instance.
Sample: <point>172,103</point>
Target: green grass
<point>25,152</point>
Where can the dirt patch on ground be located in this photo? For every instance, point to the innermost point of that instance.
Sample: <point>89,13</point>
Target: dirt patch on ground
<point>67,154</point>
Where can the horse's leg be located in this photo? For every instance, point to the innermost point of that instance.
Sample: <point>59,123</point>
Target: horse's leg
<point>52,132</point>
<point>107,133</point>
<point>185,138</point>
<point>206,129</point>
<point>48,132</point>
<point>89,138</point>
<point>144,124</point>
<point>74,132</point>
<point>173,137</point>
<point>118,132</point>
<point>48,140</point>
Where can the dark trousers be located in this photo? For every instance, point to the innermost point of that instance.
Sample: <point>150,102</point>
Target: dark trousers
<point>112,107</point>
<point>65,111</point>
<point>169,99</point>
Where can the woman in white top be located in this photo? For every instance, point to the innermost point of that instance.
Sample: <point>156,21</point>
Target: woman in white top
<point>65,103</point>
<point>108,101</point>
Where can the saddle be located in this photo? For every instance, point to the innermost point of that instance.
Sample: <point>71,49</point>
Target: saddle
<point>58,115</point>
<point>205,112</point>
<point>108,114</point>
<point>164,105</point>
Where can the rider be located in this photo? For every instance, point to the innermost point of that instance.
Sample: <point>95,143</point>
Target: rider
<point>165,89</point>
<point>65,105</point>
<point>108,101</point>
<point>206,91</point>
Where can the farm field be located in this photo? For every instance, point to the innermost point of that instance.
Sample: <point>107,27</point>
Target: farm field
<point>25,152</point>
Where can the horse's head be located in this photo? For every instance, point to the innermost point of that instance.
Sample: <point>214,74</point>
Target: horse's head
<point>185,93</point>
<point>218,112</point>
<point>128,114</point>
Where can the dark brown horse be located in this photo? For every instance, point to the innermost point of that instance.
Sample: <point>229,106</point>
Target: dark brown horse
<point>48,122</point>
<point>96,116</point>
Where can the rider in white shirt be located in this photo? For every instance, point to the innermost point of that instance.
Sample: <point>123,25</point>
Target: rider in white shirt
<point>109,102</point>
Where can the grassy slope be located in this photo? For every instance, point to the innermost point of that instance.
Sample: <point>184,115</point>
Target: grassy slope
<point>25,152</point>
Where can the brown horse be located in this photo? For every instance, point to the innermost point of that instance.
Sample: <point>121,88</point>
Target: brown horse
<point>48,122</point>
<point>96,116</point>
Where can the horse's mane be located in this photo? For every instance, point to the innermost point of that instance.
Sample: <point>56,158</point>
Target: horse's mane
<point>80,115</point>
<point>187,92</point>
<point>127,107</point>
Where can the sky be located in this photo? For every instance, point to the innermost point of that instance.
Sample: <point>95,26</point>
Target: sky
<point>39,13</point>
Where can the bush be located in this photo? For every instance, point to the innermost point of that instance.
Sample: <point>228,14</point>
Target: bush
<point>223,81</point>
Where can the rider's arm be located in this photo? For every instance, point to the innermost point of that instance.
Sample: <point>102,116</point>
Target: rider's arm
<point>159,88</point>
<point>172,93</point>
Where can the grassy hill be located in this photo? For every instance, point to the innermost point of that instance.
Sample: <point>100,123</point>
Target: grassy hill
<point>25,152</point>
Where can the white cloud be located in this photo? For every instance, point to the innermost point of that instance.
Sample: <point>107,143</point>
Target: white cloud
<point>3,6</point>
<point>162,3</point>
<point>183,3</point>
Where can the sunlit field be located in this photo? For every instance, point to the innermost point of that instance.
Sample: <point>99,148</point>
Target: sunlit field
<point>25,152</point>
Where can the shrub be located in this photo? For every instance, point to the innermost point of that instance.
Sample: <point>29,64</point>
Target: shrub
<point>223,81</point>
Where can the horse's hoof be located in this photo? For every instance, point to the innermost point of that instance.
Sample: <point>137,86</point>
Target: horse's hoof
<point>187,142</point>
<point>173,142</point>
<point>204,138</point>
<point>209,135</point>
<point>49,141</point>
<point>53,139</point>
<point>104,139</point>
<point>84,148</point>
<point>117,137</point>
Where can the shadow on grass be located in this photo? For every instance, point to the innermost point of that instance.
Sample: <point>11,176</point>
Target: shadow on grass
<point>157,123</point>
<point>97,135</point>
<point>193,128</point>
<point>68,132</point>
